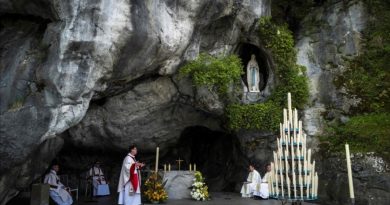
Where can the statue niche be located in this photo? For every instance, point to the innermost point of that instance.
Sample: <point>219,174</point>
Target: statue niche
<point>253,75</point>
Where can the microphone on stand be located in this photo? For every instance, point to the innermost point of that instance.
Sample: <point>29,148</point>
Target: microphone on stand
<point>90,199</point>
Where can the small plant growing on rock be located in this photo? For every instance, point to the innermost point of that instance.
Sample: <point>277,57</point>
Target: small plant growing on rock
<point>214,72</point>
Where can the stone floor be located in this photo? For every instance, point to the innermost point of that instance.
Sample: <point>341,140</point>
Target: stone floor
<point>217,199</point>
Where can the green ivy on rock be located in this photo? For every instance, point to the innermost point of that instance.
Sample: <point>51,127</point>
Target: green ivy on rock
<point>367,78</point>
<point>219,72</point>
<point>365,133</point>
<point>222,72</point>
<point>263,116</point>
<point>279,41</point>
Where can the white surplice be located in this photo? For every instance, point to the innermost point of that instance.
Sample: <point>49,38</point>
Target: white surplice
<point>57,189</point>
<point>251,185</point>
<point>126,196</point>
<point>263,192</point>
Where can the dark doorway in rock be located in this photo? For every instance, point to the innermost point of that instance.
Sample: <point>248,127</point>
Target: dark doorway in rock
<point>217,155</point>
<point>245,51</point>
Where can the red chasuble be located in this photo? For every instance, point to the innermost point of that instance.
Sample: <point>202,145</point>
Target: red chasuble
<point>134,177</point>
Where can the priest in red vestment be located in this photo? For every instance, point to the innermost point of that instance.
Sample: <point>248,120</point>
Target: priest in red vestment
<point>130,179</point>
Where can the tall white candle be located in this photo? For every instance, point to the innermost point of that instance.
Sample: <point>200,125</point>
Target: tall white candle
<point>286,173</point>
<point>281,129</point>
<point>274,169</point>
<point>272,179</point>
<point>194,167</point>
<point>288,132</point>
<point>316,193</point>
<point>350,180</point>
<point>294,132</point>
<point>284,116</point>
<point>288,187</point>
<point>271,182</point>
<point>300,132</point>
<point>301,186</point>
<point>157,153</point>
<point>313,184</point>
<point>299,162</point>
<point>305,170</point>
<point>295,119</point>
<point>308,187</point>
<point>190,167</point>
<point>165,167</point>
<point>276,161</point>
<point>290,117</point>
<point>295,185</point>
<point>280,150</point>
<point>281,175</point>
<point>313,167</point>
<point>292,156</point>
<point>169,167</point>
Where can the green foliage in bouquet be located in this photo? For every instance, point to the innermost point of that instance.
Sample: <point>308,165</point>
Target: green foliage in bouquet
<point>199,190</point>
<point>155,191</point>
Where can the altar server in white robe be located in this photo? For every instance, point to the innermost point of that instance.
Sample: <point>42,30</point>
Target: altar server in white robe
<point>58,192</point>
<point>100,185</point>
<point>264,192</point>
<point>252,182</point>
<point>130,179</point>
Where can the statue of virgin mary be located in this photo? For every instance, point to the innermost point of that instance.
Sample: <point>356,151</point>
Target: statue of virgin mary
<point>253,75</point>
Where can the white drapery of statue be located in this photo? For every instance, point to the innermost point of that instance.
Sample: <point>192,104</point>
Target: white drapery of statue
<point>253,75</point>
<point>251,185</point>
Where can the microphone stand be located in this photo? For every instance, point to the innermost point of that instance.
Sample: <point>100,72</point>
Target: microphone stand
<point>90,198</point>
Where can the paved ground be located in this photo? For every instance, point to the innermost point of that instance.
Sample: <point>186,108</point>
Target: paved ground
<point>217,199</point>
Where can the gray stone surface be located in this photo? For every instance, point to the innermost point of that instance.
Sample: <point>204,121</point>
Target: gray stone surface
<point>178,184</point>
<point>218,198</point>
<point>371,179</point>
<point>329,35</point>
<point>148,112</point>
<point>106,73</point>
<point>39,194</point>
<point>58,55</point>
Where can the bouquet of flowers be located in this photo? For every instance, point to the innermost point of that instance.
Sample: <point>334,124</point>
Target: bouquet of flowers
<point>199,190</point>
<point>155,191</point>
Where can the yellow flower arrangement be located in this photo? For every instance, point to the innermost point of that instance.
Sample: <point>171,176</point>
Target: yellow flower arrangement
<point>155,191</point>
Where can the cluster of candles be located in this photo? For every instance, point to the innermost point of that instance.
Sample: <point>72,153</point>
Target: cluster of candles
<point>293,174</point>
<point>168,167</point>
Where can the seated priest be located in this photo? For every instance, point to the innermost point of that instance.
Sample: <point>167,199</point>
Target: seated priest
<point>264,188</point>
<point>58,192</point>
<point>99,183</point>
<point>252,182</point>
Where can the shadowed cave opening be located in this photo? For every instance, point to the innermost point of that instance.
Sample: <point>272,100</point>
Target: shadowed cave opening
<point>245,51</point>
<point>217,155</point>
